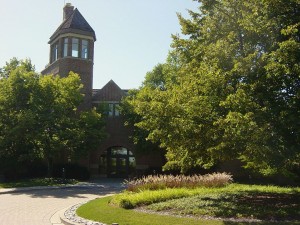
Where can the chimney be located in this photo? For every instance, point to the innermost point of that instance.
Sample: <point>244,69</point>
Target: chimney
<point>68,10</point>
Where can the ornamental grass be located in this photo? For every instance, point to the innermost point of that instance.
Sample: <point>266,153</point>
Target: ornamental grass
<point>156,182</point>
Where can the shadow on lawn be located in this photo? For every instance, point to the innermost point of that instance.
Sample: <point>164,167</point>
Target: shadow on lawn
<point>262,206</point>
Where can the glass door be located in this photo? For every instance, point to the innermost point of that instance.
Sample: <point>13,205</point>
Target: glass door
<point>119,162</point>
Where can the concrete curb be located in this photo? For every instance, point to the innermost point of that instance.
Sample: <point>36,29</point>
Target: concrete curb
<point>56,217</point>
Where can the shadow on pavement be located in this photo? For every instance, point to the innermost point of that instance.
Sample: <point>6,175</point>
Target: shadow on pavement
<point>96,187</point>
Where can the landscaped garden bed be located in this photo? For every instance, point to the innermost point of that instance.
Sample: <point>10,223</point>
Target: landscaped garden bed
<point>224,203</point>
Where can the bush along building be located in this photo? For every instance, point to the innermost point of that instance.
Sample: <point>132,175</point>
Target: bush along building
<point>72,49</point>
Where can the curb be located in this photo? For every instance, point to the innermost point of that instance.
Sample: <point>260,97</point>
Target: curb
<point>56,217</point>
<point>59,218</point>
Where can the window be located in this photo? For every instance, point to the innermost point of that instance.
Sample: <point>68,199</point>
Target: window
<point>113,110</point>
<point>117,112</point>
<point>54,52</point>
<point>75,47</point>
<point>84,49</point>
<point>110,109</point>
<point>65,49</point>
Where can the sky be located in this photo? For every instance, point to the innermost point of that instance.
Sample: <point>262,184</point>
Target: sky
<point>132,35</point>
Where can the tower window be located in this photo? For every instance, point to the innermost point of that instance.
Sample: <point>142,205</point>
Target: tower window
<point>84,49</point>
<point>54,52</point>
<point>65,49</point>
<point>75,47</point>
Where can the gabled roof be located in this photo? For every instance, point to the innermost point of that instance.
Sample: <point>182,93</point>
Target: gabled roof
<point>110,92</point>
<point>76,23</point>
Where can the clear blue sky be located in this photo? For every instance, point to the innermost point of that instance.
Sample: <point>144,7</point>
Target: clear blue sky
<point>132,35</point>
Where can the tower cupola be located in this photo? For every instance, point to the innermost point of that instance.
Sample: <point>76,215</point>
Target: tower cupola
<point>72,49</point>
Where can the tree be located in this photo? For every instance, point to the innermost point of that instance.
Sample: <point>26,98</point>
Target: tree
<point>16,118</point>
<point>231,89</point>
<point>90,133</point>
<point>39,116</point>
<point>13,64</point>
<point>153,80</point>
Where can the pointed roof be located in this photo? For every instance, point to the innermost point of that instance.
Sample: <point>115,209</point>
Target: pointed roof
<point>110,92</point>
<point>75,23</point>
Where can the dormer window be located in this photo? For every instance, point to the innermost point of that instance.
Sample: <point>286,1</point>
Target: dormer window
<point>75,47</point>
<point>84,49</point>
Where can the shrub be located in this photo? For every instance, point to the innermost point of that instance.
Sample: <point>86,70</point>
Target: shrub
<point>156,182</point>
<point>37,169</point>
<point>72,171</point>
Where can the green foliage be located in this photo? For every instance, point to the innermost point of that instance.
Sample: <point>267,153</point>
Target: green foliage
<point>89,133</point>
<point>13,64</point>
<point>229,88</point>
<point>39,116</point>
<point>139,137</point>
<point>155,182</point>
<point>131,200</point>
<point>71,171</point>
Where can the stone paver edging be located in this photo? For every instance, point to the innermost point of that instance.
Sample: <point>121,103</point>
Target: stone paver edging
<point>69,217</point>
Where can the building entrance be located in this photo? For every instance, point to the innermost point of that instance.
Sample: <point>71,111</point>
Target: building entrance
<point>118,162</point>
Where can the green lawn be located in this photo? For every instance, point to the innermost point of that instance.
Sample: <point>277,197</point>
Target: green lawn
<point>37,182</point>
<point>100,210</point>
<point>238,201</point>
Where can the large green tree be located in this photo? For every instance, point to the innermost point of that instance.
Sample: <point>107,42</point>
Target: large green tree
<point>39,116</point>
<point>153,80</point>
<point>232,88</point>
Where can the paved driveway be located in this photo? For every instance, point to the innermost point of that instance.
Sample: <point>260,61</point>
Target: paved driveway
<point>36,207</point>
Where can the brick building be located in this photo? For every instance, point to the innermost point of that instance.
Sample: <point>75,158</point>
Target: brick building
<point>72,49</point>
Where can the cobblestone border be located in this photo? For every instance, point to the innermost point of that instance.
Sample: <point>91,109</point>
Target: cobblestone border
<point>71,215</point>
